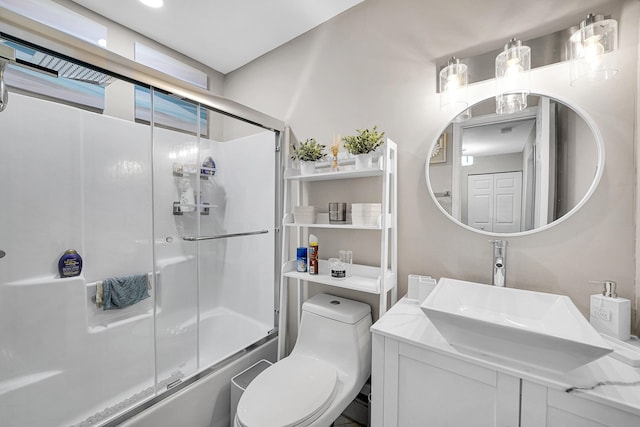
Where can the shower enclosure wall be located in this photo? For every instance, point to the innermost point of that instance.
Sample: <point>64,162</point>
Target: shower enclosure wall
<point>125,186</point>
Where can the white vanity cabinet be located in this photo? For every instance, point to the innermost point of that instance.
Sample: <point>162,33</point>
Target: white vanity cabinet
<point>415,387</point>
<point>544,406</point>
<point>418,379</point>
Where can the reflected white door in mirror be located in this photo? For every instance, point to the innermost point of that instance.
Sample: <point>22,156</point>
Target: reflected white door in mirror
<point>518,173</point>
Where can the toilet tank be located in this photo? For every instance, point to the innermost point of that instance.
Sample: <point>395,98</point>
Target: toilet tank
<point>336,330</point>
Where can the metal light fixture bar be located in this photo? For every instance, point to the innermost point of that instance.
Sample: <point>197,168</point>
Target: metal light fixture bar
<point>549,49</point>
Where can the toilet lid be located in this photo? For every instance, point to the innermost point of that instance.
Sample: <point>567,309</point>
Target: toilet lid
<point>293,392</point>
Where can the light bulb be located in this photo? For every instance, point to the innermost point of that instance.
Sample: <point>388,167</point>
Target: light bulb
<point>592,52</point>
<point>513,73</point>
<point>453,82</point>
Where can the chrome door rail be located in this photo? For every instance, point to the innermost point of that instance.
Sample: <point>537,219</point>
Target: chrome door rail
<point>223,236</point>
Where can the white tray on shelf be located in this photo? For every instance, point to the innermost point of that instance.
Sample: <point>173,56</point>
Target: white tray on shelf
<point>323,222</point>
<point>325,176</point>
<point>363,278</point>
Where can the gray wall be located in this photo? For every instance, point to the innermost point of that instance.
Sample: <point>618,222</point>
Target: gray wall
<point>580,150</point>
<point>375,65</point>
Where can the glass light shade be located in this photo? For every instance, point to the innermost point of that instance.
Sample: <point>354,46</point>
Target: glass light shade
<point>593,50</point>
<point>453,86</point>
<point>513,77</point>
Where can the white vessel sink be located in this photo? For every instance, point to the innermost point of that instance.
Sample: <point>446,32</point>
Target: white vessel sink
<point>523,328</point>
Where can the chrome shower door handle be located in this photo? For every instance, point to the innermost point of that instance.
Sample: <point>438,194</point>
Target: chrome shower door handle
<point>222,236</point>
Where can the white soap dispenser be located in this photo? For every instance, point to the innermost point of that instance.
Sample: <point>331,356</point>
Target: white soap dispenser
<point>609,314</point>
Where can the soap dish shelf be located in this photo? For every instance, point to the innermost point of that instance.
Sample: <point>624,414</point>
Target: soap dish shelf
<point>187,170</point>
<point>204,208</point>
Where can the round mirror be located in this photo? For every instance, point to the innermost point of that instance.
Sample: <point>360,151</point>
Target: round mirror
<point>517,173</point>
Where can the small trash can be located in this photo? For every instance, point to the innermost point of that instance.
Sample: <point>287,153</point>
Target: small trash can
<point>240,382</point>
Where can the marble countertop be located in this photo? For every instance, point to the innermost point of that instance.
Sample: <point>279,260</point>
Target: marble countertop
<point>406,322</point>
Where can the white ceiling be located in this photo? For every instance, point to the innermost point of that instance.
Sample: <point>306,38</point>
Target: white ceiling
<point>497,138</point>
<point>223,34</point>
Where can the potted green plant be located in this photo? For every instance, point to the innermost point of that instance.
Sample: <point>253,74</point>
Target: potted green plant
<point>307,153</point>
<point>363,145</point>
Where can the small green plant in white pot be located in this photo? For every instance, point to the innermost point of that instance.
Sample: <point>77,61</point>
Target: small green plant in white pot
<point>363,145</point>
<point>307,153</point>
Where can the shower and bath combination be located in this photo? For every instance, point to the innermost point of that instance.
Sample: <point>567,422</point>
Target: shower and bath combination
<point>106,181</point>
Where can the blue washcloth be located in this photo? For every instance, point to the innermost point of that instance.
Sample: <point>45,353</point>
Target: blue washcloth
<point>120,292</point>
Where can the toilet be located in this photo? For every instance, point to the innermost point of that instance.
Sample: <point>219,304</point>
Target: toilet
<point>325,371</point>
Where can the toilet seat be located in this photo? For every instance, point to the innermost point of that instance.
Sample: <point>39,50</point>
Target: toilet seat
<point>293,392</point>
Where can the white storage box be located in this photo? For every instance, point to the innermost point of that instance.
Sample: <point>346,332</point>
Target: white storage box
<point>305,214</point>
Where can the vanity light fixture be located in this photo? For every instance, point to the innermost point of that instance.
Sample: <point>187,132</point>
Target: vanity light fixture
<point>152,3</point>
<point>593,49</point>
<point>453,86</point>
<point>513,69</point>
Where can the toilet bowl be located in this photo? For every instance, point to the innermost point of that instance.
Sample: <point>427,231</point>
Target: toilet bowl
<point>325,371</point>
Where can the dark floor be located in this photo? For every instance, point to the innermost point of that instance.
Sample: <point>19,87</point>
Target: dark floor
<point>346,422</point>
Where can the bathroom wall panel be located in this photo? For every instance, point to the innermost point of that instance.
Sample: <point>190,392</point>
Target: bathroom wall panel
<point>169,229</point>
<point>42,186</point>
<point>213,254</point>
<point>48,342</point>
<point>250,189</point>
<point>117,197</point>
<point>176,259</point>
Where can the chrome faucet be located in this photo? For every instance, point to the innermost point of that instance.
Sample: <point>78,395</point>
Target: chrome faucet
<point>499,268</point>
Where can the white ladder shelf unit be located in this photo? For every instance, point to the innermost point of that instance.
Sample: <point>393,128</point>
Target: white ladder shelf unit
<point>380,279</point>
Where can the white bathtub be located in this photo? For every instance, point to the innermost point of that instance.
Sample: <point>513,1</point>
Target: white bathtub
<point>206,402</point>
<point>65,363</point>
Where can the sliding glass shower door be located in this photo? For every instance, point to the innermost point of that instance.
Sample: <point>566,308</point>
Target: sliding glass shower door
<point>144,186</point>
<point>215,207</point>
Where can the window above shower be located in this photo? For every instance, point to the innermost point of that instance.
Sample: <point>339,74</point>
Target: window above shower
<point>40,73</point>
<point>46,75</point>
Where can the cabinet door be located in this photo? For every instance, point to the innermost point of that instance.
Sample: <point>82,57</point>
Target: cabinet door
<point>424,388</point>
<point>542,406</point>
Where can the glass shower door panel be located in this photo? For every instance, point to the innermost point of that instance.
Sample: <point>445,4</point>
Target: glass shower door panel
<point>176,215</point>
<point>236,274</point>
<point>236,295</point>
<point>73,180</point>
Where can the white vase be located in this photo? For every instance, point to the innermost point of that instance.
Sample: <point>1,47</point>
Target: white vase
<point>364,161</point>
<point>307,168</point>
